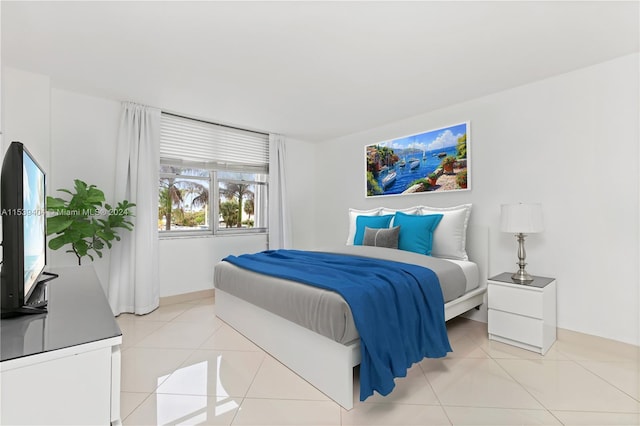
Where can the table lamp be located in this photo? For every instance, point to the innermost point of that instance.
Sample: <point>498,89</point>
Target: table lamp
<point>521,219</point>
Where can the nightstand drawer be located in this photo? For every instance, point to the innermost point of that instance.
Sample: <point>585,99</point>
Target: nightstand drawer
<point>519,300</point>
<point>516,327</point>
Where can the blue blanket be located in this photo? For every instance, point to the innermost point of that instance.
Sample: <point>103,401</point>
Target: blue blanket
<point>397,308</point>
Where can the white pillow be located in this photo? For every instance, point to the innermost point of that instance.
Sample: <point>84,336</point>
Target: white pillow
<point>409,210</point>
<point>450,237</point>
<point>353,215</point>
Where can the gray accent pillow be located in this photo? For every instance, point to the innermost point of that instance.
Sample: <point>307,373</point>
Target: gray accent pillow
<point>381,237</point>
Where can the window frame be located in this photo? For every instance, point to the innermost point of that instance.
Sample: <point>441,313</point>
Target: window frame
<point>236,230</point>
<point>214,228</point>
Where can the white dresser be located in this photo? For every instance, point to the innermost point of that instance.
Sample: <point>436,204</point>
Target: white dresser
<point>522,315</point>
<point>63,367</point>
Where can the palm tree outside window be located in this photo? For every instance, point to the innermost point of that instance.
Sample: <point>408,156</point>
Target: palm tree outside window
<point>185,195</point>
<point>239,195</point>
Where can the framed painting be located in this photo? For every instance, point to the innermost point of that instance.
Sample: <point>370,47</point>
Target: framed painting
<point>429,162</point>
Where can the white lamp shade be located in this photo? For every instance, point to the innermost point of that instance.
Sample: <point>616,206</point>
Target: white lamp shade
<point>521,218</point>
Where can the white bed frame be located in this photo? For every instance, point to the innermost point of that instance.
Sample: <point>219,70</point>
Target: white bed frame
<point>326,364</point>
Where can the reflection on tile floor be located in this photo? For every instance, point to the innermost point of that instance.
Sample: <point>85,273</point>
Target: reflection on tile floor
<point>182,365</point>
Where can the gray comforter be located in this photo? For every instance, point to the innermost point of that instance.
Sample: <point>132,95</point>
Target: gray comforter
<point>323,311</point>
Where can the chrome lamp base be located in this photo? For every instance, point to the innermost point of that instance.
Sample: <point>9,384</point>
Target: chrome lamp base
<point>521,276</point>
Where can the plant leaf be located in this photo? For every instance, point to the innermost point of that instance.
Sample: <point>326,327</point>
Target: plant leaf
<point>57,224</point>
<point>56,243</point>
<point>94,195</point>
<point>55,203</point>
<point>81,247</point>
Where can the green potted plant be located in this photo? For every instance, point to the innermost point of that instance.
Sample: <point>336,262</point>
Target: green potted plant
<point>461,179</point>
<point>447,163</point>
<point>85,221</point>
<point>433,178</point>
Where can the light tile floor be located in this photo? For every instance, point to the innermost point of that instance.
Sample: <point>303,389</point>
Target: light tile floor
<point>182,365</point>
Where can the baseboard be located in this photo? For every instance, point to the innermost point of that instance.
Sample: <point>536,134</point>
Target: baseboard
<point>593,340</point>
<point>187,297</point>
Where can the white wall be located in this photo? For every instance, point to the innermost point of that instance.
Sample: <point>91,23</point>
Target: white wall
<point>83,146</point>
<point>569,142</point>
<point>186,264</point>
<point>302,167</point>
<point>26,113</point>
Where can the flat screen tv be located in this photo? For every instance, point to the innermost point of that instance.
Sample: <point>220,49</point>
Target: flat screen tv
<point>22,203</point>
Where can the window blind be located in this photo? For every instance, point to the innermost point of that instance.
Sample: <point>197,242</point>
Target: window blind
<point>198,142</point>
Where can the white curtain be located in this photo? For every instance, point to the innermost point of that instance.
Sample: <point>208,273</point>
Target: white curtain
<point>133,281</point>
<point>279,223</point>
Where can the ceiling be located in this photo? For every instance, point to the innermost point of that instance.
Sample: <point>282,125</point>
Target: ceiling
<point>310,70</point>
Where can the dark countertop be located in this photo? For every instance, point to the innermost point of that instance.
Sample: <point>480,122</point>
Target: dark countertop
<point>78,313</point>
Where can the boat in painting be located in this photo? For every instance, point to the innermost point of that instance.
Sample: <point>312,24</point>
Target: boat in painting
<point>389,179</point>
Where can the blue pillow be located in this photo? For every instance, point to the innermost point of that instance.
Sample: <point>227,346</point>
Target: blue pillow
<point>416,231</point>
<point>376,222</point>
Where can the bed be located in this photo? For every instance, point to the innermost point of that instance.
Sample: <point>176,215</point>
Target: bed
<point>326,356</point>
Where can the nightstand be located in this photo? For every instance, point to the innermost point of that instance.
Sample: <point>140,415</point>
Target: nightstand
<point>522,315</point>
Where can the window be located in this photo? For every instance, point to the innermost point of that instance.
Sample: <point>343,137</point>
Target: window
<point>213,179</point>
<point>242,200</point>
<point>183,200</point>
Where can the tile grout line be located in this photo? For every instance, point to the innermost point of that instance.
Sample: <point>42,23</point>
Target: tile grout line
<point>579,362</point>
<point>526,389</point>
<point>424,374</point>
<point>244,398</point>
<point>158,385</point>
<point>136,407</point>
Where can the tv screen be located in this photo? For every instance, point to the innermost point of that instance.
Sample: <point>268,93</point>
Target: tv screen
<point>22,200</point>
<point>33,203</point>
